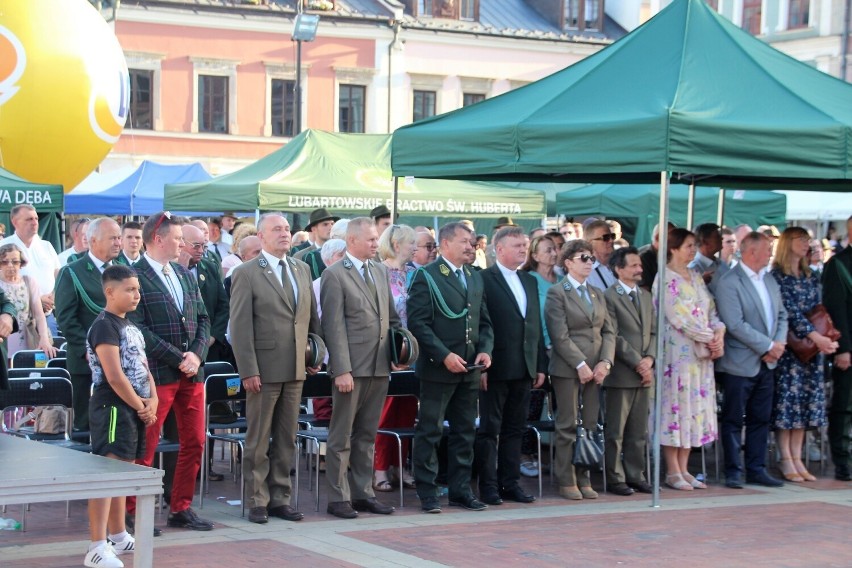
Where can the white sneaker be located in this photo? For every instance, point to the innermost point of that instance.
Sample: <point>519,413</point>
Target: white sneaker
<point>529,469</point>
<point>126,546</point>
<point>103,557</point>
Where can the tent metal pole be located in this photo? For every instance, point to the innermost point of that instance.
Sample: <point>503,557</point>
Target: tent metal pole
<point>690,207</point>
<point>395,197</point>
<point>256,217</point>
<point>720,214</point>
<point>661,320</point>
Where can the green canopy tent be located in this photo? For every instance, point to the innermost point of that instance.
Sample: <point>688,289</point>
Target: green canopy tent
<point>348,174</point>
<point>48,199</point>
<point>686,97</point>
<point>637,206</point>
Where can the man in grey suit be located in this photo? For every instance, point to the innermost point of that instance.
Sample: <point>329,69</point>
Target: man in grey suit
<point>628,384</point>
<point>273,308</point>
<point>357,316</point>
<point>749,303</point>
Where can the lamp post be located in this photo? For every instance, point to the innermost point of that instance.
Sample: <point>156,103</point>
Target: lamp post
<point>304,29</point>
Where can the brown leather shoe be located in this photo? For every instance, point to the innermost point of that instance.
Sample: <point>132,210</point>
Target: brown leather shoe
<point>342,509</point>
<point>372,505</point>
<point>258,515</point>
<point>571,493</point>
<point>286,512</point>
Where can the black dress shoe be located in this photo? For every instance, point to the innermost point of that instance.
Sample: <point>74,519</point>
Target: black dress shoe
<point>620,489</point>
<point>764,479</point>
<point>187,519</point>
<point>215,476</point>
<point>515,494</point>
<point>258,515</point>
<point>286,512</point>
<point>641,486</point>
<point>430,505</point>
<point>372,505</point>
<point>734,482</point>
<point>841,473</point>
<point>342,510</point>
<point>490,497</point>
<point>469,502</point>
<point>130,524</point>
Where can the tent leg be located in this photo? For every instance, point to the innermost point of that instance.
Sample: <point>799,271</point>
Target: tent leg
<point>658,368</point>
<point>395,198</point>
<point>690,208</point>
<point>720,214</point>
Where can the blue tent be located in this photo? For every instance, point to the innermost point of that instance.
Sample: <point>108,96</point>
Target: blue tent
<point>134,192</point>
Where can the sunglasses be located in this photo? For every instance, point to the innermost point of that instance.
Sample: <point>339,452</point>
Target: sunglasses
<point>605,238</point>
<point>165,215</point>
<point>585,258</point>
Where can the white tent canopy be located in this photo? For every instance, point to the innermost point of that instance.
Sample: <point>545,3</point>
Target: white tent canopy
<point>819,206</point>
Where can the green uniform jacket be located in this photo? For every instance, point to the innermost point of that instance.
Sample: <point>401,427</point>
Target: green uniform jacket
<point>76,309</point>
<point>6,307</point>
<point>214,297</point>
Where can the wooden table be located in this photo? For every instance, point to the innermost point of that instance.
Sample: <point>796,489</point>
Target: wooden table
<point>34,472</point>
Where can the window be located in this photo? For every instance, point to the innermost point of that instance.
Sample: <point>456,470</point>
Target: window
<point>283,97</point>
<point>352,107</point>
<point>451,9</point>
<point>424,7</point>
<point>798,14</point>
<point>212,104</point>
<point>141,106</point>
<point>468,10</point>
<point>424,105</point>
<point>752,16</point>
<point>472,98</point>
<point>584,14</point>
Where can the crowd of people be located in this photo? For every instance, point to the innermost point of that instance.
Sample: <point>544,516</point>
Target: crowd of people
<point>569,312</point>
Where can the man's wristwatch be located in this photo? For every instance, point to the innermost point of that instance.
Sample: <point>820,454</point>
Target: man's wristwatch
<point>607,363</point>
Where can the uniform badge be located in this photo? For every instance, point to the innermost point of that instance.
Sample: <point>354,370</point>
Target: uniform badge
<point>347,263</point>
<point>445,270</point>
<point>262,262</point>
<point>202,277</point>
<point>567,286</point>
<point>619,290</point>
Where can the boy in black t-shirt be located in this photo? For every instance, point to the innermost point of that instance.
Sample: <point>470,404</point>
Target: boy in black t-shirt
<point>123,404</point>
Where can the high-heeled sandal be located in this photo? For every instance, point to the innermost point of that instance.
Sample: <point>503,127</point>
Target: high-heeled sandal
<point>802,470</point>
<point>676,481</point>
<point>789,471</point>
<point>693,481</point>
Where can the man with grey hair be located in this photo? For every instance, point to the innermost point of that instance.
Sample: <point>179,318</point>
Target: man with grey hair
<point>357,317</point>
<point>602,239</point>
<point>426,251</point>
<point>79,300</point>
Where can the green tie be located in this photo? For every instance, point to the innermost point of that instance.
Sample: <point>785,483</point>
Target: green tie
<point>368,279</point>
<point>287,284</point>
<point>461,278</point>
<point>587,302</point>
<point>634,295</point>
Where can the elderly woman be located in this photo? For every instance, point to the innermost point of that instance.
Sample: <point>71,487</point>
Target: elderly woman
<point>799,390</point>
<point>235,259</point>
<point>583,347</point>
<point>396,249</point>
<point>24,294</point>
<point>693,338</point>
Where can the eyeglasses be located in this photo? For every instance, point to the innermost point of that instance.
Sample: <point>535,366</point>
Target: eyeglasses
<point>585,258</point>
<point>605,238</point>
<point>10,262</point>
<point>430,246</point>
<point>196,246</point>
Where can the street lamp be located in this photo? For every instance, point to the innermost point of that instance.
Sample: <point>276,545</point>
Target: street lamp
<point>304,29</point>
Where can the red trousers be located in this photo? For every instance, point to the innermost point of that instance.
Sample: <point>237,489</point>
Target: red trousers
<point>398,412</point>
<point>187,399</point>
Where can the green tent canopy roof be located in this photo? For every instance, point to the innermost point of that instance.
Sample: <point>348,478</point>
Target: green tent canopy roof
<point>348,174</point>
<point>640,204</point>
<point>45,197</point>
<point>688,92</point>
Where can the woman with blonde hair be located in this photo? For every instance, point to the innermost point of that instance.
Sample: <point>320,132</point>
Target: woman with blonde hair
<point>241,231</point>
<point>24,294</point>
<point>396,249</point>
<point>799,389</point>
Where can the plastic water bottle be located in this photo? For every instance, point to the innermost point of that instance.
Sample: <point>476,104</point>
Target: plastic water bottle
<point>9,524</point>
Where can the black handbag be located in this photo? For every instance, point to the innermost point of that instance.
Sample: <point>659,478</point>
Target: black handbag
<point>589,446</point>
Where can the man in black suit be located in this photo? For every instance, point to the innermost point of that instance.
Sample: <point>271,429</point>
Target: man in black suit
<point>519,360</point>
<point>448,316</point>
<point>79,300</point>
<point>837,291</point>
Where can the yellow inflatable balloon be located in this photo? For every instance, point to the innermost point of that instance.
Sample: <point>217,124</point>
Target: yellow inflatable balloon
<point>64,90</point>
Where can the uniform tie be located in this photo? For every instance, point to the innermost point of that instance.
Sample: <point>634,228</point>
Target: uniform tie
<point>368,279</point>
<point>287,285</point>
<point>587,302</point>
<point>461,278</point>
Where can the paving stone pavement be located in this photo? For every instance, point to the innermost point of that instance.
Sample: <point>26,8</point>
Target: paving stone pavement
<point>805,524</point>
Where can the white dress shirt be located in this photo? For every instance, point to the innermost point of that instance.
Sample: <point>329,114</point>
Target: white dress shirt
<point>601,276</point>
<point>276,268</point>
<point>170,280</point>
<point>514,282</point>
<point>756,279</point>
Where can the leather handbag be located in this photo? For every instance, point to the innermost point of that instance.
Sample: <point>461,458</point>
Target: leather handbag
<point>589,445</point>
<point>803,347</point>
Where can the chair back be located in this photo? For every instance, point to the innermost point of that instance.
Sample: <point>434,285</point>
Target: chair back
<point>38,390</point>
<point>317,386</point>
<point>225,387</point>
<point>58,341</point>
<point>404,383</point>
<point>29,358</point>
<point>217,368</point>
<point>57,363</point>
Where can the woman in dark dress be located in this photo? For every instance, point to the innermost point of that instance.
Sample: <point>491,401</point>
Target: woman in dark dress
<point>799,389</point>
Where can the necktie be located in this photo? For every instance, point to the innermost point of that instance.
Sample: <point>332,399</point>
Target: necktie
<point>368,279</point>
<point>104,266</point>
<point>461,278</point>
<point>635,297</point>
<point>178,298</point>
<point>587,302</point>
<point>287,284</point>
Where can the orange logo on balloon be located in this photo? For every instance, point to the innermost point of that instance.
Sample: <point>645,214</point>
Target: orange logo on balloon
<point>13,60</point>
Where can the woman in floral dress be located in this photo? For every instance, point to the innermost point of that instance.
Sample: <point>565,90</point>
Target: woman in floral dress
<point>799,389</point>
<point>693,337</point>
